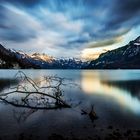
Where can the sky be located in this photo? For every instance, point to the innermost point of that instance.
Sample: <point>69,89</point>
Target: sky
<point>68,28</point>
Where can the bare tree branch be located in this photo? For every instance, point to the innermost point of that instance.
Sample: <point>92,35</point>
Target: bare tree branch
<point>30,90</point>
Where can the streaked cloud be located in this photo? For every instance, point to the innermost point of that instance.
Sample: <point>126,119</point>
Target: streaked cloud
<point>104,43</point>
<point>59,26</point>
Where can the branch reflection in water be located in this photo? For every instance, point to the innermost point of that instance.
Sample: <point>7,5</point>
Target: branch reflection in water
<point>45,94</point>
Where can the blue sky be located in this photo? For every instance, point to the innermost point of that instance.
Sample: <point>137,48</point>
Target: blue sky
<point>68,28</point>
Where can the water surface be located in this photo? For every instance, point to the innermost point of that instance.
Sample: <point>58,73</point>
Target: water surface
<point>114,93</point>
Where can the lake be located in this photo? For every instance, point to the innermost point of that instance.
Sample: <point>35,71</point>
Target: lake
<point>115,95</point>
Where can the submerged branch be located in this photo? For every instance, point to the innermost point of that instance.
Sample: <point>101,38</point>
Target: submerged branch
<point>33,107</point>
<point>31,90</point>
<point>29,93</point>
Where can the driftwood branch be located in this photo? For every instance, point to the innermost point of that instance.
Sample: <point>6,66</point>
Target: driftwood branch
<point>31,93</point>
<point>92,114</point>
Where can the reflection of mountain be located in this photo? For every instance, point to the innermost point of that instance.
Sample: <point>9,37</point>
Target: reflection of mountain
<point>5,83</point>
<point>15,59</point>
<point>131,86</point>
<point>94,84</point>
<point>126,57</point>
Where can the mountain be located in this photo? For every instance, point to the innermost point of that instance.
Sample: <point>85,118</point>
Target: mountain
<point>14,59</point>
<point>42,57</point>
<point>17,59</point>
<point>126,57</point>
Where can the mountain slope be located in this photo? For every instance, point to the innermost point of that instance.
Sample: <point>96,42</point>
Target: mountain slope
<point>10,59</point>
<point>14,59</point>
<point>127,57</point>
<point>42,57</point>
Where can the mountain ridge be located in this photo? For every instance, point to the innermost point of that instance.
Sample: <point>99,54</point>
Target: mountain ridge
<point>14,59</point>
<point>126,57</point>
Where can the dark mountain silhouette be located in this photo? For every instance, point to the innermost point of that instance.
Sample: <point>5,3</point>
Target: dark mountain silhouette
<point>11,59</point>
<point>126,57</point>
<point>16,59</point>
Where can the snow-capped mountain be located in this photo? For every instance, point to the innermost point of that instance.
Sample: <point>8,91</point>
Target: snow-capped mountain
<point>42,57</point>
<point>126,57</point>
<point>17,59</point>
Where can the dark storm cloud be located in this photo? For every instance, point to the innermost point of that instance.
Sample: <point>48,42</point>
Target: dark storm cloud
<point>22,2</point>
<point>127,10</point>
<point>13,27</point>
<point>124,13</point>
<point>116,18</point>
<point>16,37</point>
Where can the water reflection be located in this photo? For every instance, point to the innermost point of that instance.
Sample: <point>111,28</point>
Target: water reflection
<point>6,83</point>
<point>22,115</point>
<point>29,94</point>
<point>115,95</point>
<point>132,86</point>
<point>123,91</point>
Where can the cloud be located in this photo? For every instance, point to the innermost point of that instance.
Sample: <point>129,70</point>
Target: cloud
<point>59,22</point>
<point>16,25</point>
<point>104,43</point>
<point>28,3</point>
<point>123,14</point>
<point>58,25</point>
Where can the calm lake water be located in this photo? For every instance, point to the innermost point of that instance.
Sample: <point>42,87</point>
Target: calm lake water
<point>114,93</point>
